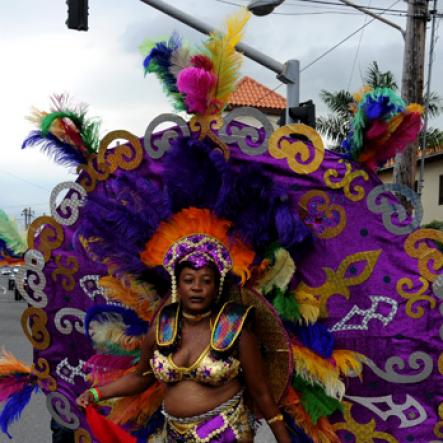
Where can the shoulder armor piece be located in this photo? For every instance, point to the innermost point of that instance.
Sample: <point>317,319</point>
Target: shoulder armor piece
<point>167,325</point>
<point>228,326</point>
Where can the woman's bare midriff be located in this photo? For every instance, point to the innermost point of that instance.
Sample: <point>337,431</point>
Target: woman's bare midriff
<point>189,398</point>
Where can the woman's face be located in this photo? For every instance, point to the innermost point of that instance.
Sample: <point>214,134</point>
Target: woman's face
<point>197,289</point>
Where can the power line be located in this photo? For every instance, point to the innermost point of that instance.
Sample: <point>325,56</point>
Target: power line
<point>342,41</point>
<point>357,52</point>
<point>24,180</point>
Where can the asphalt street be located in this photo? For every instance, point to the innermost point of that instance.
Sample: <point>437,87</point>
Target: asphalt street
<point>33,426</point>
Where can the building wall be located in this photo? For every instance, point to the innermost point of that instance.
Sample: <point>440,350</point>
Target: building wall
<point>431,209</point>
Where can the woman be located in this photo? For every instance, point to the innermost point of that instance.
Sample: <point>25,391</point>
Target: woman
<point>205,354</point>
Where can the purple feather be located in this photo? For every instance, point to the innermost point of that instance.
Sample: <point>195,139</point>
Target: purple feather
<point>14,407</point>
<point>62,153</point>
<point>193,174</point>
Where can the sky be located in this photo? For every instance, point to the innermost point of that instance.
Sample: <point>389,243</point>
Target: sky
<point>103,68</point>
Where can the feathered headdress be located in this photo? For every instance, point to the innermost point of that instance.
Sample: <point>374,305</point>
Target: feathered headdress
<point>198,236</point>
<point>199,81</point>
<point>382,126</point>
<point>65,132</point>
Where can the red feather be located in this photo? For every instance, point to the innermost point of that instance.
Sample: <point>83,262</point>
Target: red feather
<point>104,430</point>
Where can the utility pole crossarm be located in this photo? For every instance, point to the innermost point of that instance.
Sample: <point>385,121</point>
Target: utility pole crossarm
<point>376,16</point>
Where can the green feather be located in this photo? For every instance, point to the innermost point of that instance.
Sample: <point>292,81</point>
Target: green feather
<point>88,128</point>
<point>10,234</point>
<point>286,305</point>
<point>314,400</point>
<point>114,349</point>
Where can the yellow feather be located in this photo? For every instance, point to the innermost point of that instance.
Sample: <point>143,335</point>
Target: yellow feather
<point>349,363</point>
<point>225,58</point>
<point>141,297</point>
<point>309,306</point>
<point>315,369</point>
<point>279,274</point>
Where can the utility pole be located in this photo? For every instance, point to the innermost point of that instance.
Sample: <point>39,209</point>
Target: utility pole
<point>412,83</point>
<point>28,213</point>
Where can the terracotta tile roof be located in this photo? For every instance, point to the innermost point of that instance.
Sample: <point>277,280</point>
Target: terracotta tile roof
<point>250,92</point>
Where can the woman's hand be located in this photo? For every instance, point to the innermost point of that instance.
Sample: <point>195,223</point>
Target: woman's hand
<point>85,399</point>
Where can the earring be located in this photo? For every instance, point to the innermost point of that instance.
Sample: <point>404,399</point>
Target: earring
<point>173,288</point>
<point>220,286</point>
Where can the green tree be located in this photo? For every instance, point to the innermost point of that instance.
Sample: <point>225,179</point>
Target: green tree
<point>337,123</point>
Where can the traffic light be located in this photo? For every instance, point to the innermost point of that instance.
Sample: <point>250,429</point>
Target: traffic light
<point>77,14</point>
<point>303,113</point>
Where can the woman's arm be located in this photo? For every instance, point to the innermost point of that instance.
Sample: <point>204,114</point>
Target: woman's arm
<point>130,384</point>
<point>258,388</point>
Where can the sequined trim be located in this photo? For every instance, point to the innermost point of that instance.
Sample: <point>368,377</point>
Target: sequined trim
<point>167,325</point>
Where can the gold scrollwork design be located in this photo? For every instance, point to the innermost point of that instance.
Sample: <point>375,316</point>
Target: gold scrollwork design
<point>205,125</point>
<point>41,369</point>
<point>66,270</point>
<point>362,432</point>
<point>414,297</point>
<point>440,364</point>
<point>338,283</point>
<point>327,209</point>
<point>34,326</point>
<point>354,194</point>
<point>438,428</point>
<point>50,235</point>
<point>301,158</point>
<point>82,436</point>
<point>416,247</point>
<point>123,156</point>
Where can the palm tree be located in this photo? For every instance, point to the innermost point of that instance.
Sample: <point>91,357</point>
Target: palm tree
<point>336,125</point>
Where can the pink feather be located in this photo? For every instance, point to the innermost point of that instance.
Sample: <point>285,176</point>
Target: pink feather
<point>196,84</point>
<point>11,385</point>
<point>104,362</point>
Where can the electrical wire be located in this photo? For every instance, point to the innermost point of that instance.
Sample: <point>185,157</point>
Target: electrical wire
<point>342,41</point>
<point>24,180</point>
<point>357,52</point>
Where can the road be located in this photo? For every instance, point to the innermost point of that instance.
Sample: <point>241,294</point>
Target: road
<point>33,427</point>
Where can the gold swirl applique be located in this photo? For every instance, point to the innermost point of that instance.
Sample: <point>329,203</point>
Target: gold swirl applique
<point>362,432</point>
<point>440,364</point>
<point>82,436</point>
<point>414,297</point>
<point>41,369</point>
<point>301,158</point>
<point>34,322</point>
<point>45,234</point>
<point>438,428</point>
<point>326,209</point>
<point>337,283</point>
<point>125,156</point>
<point>66,271</point>
<point>205,125</point>
<point>430,259</point>
<point>355,193</point>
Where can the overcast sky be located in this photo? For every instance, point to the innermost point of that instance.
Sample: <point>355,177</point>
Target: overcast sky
<point>102,67</point>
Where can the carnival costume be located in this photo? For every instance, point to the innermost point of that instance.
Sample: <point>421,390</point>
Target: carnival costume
<point>321,248</point>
